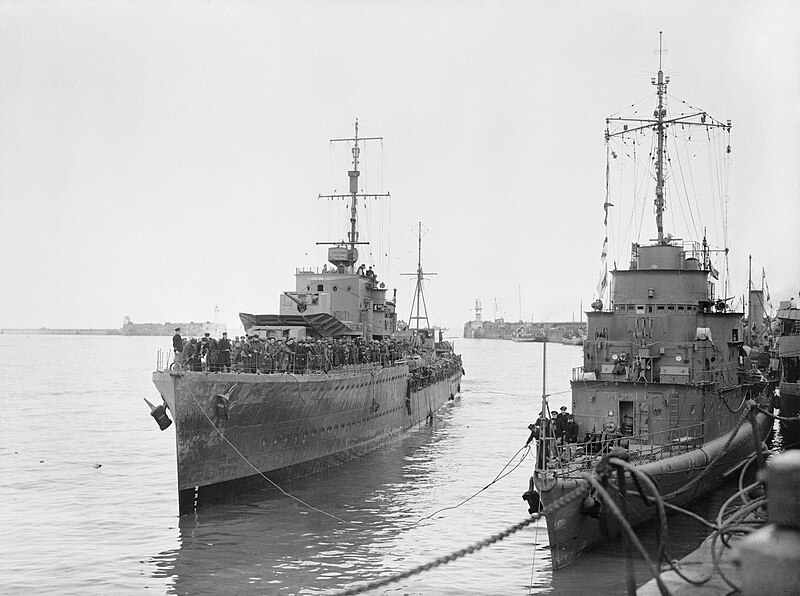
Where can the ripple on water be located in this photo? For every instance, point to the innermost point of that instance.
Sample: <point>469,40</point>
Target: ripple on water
<point>70,527</point>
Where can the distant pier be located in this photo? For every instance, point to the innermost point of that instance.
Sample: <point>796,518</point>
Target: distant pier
<point>190,329</point>
<point>51,331</point>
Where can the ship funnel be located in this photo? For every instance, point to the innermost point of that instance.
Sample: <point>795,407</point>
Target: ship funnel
<point>159,413</point>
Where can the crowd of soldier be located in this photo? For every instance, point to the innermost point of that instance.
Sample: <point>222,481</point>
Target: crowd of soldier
<point>433,372</point>
<point>251,354</point>
<point>559,433</point>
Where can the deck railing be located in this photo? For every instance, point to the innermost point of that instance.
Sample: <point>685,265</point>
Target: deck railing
<point>264,365</point>
<point>164,360</point>
<point>571,459</point>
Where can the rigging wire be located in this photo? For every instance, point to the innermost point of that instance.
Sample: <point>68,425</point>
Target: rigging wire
<point>683,177</point>
<point>637,105</point>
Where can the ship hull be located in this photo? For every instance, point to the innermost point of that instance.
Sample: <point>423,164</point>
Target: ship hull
<point>572,531</point>
<point>232,429</point>
<point>790,408</point>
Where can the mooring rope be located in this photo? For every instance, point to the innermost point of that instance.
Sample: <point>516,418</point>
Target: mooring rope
<point>500,476</point>
<point>249,463</point>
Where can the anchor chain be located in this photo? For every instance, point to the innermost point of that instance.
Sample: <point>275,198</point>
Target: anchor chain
<point>578,492</point>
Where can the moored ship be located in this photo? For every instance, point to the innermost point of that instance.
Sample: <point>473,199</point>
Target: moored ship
<point>336,379</point>
<point>789,389</point>
<point>529,333</point>
<point>665,380</point>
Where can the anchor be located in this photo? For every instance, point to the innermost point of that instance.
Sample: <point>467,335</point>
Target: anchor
<point>159,413</point>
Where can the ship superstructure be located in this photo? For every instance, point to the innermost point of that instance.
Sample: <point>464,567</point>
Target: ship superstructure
<point>665,372</point>
<point>322,381</point>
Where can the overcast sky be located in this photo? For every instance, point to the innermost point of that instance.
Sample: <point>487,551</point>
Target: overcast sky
<point>161,158</point>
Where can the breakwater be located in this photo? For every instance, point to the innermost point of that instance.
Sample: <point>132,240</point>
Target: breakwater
<point>51,331</point>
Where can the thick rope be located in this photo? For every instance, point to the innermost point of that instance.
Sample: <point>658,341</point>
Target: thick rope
<point>710,465</point>
<point>776,417</point>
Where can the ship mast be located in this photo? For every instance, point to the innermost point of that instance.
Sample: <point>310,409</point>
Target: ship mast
<point>353,196</point>
<point>661,86</point>
<point>419,296</point>
<point>660,123</point>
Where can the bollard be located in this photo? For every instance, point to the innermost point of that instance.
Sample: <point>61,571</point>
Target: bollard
<point>769,558</point>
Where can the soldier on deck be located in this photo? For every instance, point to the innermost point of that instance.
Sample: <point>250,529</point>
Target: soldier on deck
<point>177,342</point>
<point>224,351</point>
<point>212,353</point>
<point>191,355</point>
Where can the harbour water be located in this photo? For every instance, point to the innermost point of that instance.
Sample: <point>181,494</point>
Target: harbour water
<point>90,505</point>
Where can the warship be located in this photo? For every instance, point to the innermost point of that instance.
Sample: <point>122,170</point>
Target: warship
<point>789,389</point>
<point>666,376</point>
<point>332,392</point>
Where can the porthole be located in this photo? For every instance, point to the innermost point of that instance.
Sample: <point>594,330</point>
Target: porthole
<point>348,288</point>
<point>334,288</point>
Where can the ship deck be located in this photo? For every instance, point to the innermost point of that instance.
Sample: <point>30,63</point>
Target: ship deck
<point>571,460</point>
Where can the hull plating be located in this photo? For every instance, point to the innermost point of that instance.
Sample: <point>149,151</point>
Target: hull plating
<point>231,427</point>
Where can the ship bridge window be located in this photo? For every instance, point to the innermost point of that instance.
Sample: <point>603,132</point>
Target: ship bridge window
<point>319,287</point>
<point>649,308</point>
<point>680,308</point>
<point>640,309</point>
<point>671,307</point>
<point>660,307</point>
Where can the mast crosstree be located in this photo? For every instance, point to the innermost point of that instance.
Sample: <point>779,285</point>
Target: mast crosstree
<point>349,256</point>
<point>659,124</point>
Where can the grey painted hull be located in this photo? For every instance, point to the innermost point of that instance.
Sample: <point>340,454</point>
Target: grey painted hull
<point>571,531</point>
<point>230,428</point>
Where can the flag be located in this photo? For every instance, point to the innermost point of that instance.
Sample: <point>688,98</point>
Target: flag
<point>606,205</point>
<point>766,285</point>
<point>714,272</point>
<point>605,251</point>
<point>603,283</point>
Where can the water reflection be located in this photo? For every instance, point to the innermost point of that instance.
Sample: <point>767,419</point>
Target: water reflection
<point>268,543</point>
